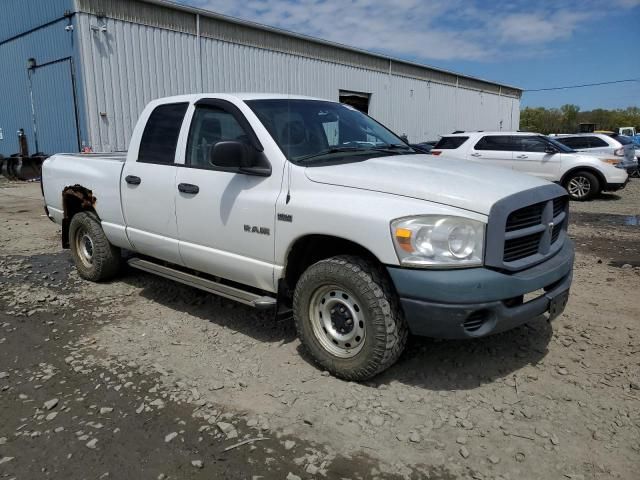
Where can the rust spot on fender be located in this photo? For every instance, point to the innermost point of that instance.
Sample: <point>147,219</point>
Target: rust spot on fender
<point>75,198</point>
<point>81,194</point>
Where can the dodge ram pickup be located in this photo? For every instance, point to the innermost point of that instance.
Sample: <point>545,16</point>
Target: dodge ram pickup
<point>312,208</point>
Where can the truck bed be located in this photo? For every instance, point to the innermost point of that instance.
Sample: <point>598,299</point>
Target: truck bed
<point>98,172</point>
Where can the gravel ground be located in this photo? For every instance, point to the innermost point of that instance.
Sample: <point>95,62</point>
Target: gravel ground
<point>152,378</point>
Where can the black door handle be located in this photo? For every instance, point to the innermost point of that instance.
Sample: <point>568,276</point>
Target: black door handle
<point>188,188</point>
<point>132,180</point>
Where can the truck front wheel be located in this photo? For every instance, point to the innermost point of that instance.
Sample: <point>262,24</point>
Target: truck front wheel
<point>95,258</point>
<point>348,317</point>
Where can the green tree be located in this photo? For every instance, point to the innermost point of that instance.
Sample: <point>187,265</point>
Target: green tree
<point>567,118</point>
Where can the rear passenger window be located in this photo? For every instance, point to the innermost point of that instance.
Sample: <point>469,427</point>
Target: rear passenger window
<point>622,139</point>
<point>574,142</point>
<point>529,144</point>
<point>160,137</point>
<point>495,142</point>
<point>450,143</point>
<point>595,142</point>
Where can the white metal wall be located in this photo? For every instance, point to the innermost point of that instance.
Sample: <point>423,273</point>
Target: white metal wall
<point>132,64</point>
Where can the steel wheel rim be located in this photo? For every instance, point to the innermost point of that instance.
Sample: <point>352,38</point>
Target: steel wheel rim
<point>579,186</point>
<point>85,248</point>
<point>337,321</point>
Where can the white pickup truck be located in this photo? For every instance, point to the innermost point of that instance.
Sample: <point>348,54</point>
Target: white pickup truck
<point>310,206</point>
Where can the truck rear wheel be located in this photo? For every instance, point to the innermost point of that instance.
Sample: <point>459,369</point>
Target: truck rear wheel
<point>348,317</point>
<point>95,258</point>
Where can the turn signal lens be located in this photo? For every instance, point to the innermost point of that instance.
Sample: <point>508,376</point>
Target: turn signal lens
<point>403,237</point>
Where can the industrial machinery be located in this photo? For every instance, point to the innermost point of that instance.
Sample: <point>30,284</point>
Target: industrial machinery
<point>22,166</point>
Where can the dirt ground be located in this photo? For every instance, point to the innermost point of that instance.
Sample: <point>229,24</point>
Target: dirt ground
<point>150,378</point>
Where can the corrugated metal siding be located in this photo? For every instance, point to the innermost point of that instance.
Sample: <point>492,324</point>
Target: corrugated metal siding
<point>245,35</point>
<point>214,26</point>
<point>19,16</point>
<point>127,67</point>
<point>132,64</point>
<point>427,110</point>
<point>229,67</point>
<point>141,13</point>
<point>45,45</point>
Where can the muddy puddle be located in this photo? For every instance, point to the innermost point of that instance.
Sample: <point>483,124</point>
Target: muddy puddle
<point>602,219</point>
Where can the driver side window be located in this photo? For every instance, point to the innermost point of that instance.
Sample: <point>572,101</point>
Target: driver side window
<point>211,125</point>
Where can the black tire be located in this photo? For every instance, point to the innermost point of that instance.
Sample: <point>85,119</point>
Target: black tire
<point>582,185</point>
<point>103,262</point>
<point>376,308</point>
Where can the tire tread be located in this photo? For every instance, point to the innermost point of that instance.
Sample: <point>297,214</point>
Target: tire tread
<point>389,327</point>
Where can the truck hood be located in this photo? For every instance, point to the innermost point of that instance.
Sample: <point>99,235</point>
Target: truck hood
<point>458,183</point>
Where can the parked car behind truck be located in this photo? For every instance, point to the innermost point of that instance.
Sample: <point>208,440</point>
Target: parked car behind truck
<point>600,144</point>
<point>584,176</point>
<point>291,202</point>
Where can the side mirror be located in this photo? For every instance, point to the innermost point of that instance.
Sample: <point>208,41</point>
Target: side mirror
<point>229,155</point>
<point>550,149</point>
<point>240,157</point>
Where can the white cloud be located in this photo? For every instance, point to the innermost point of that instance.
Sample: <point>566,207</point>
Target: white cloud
<point>426,29</point>
<point>539,28</point>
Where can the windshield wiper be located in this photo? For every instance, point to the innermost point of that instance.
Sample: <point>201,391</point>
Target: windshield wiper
<point>332,150</point>
<point>393,147</point>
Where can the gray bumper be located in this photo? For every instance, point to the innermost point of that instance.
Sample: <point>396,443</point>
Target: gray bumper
<point>477,302</point>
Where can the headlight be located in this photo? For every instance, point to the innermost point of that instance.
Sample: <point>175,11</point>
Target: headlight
<point>438,241</point>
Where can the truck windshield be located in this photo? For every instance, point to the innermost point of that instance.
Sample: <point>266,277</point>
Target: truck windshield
<point>310,131</point>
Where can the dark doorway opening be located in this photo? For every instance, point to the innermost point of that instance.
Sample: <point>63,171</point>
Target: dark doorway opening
<point>358,100</point>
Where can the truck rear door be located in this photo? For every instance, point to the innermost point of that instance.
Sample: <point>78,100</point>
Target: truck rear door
<point>148,186</point>
<point>226,219</point>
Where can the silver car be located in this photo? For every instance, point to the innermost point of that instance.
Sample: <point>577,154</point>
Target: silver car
<point>600,144</point>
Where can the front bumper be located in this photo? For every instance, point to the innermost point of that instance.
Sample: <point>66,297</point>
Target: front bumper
<point>614,187</point>
<point>477,302</point>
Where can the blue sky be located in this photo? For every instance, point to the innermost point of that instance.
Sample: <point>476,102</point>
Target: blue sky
<point>527,43</point>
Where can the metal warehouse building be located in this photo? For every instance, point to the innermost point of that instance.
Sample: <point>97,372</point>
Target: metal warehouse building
<point>76,73</point>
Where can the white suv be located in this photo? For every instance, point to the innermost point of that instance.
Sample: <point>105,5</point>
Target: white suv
<point>584,176</point>
<point>602,144</point>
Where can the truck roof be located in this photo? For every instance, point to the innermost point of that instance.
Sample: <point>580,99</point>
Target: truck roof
<point>481,132</point>
<point>242,96</point>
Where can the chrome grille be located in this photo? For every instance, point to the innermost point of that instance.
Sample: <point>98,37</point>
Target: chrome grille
<point>525,217</point>
<point>522,247</point>
<point>526,228</point>
<point>559,206</point>
<point>557,229</point>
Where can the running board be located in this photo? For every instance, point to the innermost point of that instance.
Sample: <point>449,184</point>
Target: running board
<point>226,291</point>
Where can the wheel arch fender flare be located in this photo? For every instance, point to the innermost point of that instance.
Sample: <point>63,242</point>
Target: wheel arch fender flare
<point>594,171</point>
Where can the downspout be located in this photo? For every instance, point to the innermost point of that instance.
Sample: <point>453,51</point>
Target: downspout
<point>456,126</point>
<point>33,109</point>
<point>389,95</point>
<point>500,103</point>
<point>199,50</point>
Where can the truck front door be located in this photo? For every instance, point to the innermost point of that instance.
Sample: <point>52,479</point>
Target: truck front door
<point>226,219</point>
<point>148,185</point>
